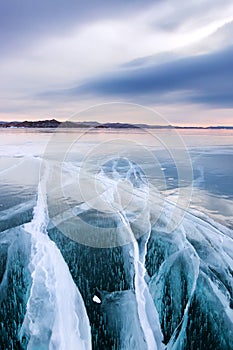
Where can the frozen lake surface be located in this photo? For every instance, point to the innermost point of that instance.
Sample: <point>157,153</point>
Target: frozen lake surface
<point>115,239</point>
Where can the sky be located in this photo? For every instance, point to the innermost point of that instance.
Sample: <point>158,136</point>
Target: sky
<point>60,57</point>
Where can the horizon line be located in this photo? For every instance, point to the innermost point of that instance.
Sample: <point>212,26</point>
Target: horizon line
<point>116,122</point>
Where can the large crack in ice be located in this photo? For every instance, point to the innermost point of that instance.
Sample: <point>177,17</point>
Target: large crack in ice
<point>56,317</point>
<point>153,341</point>
<point>147,313</point>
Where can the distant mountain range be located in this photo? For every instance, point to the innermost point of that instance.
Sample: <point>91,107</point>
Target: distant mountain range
<point>53,123</point>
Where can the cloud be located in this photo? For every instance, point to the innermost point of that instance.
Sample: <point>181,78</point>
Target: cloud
<point>23,22</point>
<point>203,79</point>
<point>59,53</point>
<point>177,14</point>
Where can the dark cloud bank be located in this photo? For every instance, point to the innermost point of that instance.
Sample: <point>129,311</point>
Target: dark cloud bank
<point>206,79</point>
